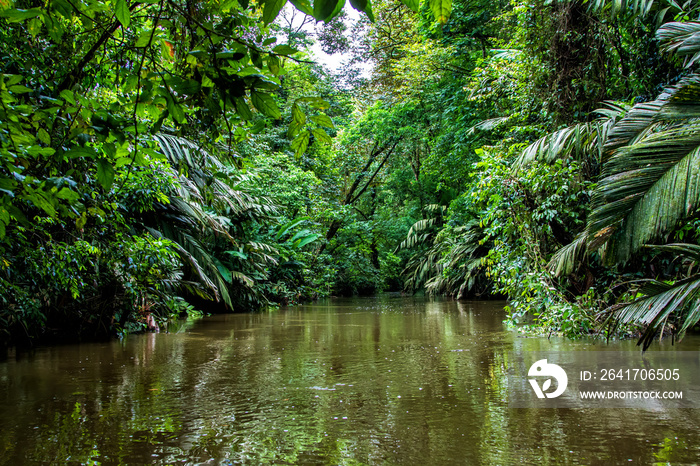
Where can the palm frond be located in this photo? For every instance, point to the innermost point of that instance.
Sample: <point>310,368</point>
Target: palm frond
<point>616,7</point>
<point>184,153</point>
<point>206,178</point>
<point>577,141</point>
<point>205,206</point>
<point>681,298</point>
<point>422,231</point>
<point>691,251</point>
<point>243,278</point>
<point>188,257</point>
<point>651,173</point>
<point>675,104</point>
<point>451,265</point>
<point>489,125</point>
<point>567,258</point>
<point>565,142</point>
<point>683,39</point>
<point>648,188</point>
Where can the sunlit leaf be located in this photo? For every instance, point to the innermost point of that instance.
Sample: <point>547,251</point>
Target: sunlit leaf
<point>298,115</point>
<point>301,242</point>
<point>322,136</point>
<point>121,10</point>
<point>273,64</point>
<point>323,120</point>
<point>441,10</point>
<point>300,143</point>
<point>288,226</point>
<point>14,15</point>
<point>105,174</point>
<point>265,103</point>
<point>316,102</point>
<point>412,4</point>
<point>144,39</point>
<point>272,9</point>
<point>284,49</point>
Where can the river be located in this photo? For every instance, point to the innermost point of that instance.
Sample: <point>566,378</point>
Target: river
<point>346,381</point>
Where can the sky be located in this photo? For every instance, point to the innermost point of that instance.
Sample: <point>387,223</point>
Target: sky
<point>331,62</point>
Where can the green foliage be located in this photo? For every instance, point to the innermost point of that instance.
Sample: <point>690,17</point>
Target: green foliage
<point>90,179</point>
<point>153,154</point>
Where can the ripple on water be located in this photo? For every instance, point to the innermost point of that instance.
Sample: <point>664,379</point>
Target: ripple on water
<point>367,380</point>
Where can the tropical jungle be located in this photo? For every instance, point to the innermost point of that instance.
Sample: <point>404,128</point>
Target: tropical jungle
<point>169,158</point>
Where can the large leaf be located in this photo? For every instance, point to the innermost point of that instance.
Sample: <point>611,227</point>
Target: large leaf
<point>301,242</point>
<point>284,49</point>
<point>648,187</point>
<point>615,7</point>
<point>321,136</point>
<point>567,258</point>
<point>191,217</point>
<point>359,5</point>
<point>365,6</point>
<point>675,104</point>
<point>323,9</point>
<point>441,10</point>
<point>412,4</point>
<point>304,6</point>
<point>683,39</point>
<point>242,108</point>
<point>651,175</point>
<point>681,298</point>
<point>577,141</point>
<point>266,104</point>
<point>323,120</point>
<point>14,15</point>
<point>300,143</point>
<point>121,11</point>
<point>105,174</point>
<point>272,9</point>
<point>288,226</point>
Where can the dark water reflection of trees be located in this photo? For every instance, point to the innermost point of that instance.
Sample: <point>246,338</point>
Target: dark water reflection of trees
<point>348,381</point>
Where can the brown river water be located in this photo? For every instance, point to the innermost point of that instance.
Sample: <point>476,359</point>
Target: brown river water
<point>346,381</point>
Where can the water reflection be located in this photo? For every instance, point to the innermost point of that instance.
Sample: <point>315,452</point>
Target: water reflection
<point>373,380</point>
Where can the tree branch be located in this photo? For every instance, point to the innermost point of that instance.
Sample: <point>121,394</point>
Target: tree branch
<point>386,157</point>
<point>78,71</point>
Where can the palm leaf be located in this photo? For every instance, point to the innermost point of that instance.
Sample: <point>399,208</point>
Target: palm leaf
<point>683,39</point>
<point>663,300</point>
<point>187,254</point>
<point>452,263</point>
<point>583,140</point>
<point>651,174</point>
<point>201,208</point>
<point>674,105</point>
<point>488,125</point>
<point>567,258</point>
<point>648,188</point>
<point>184,153</point>
<point>616,7</point>
<point>691,251</point>
<point>209,180</point>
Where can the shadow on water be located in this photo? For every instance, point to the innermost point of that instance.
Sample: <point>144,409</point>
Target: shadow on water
<point>365,380</point>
